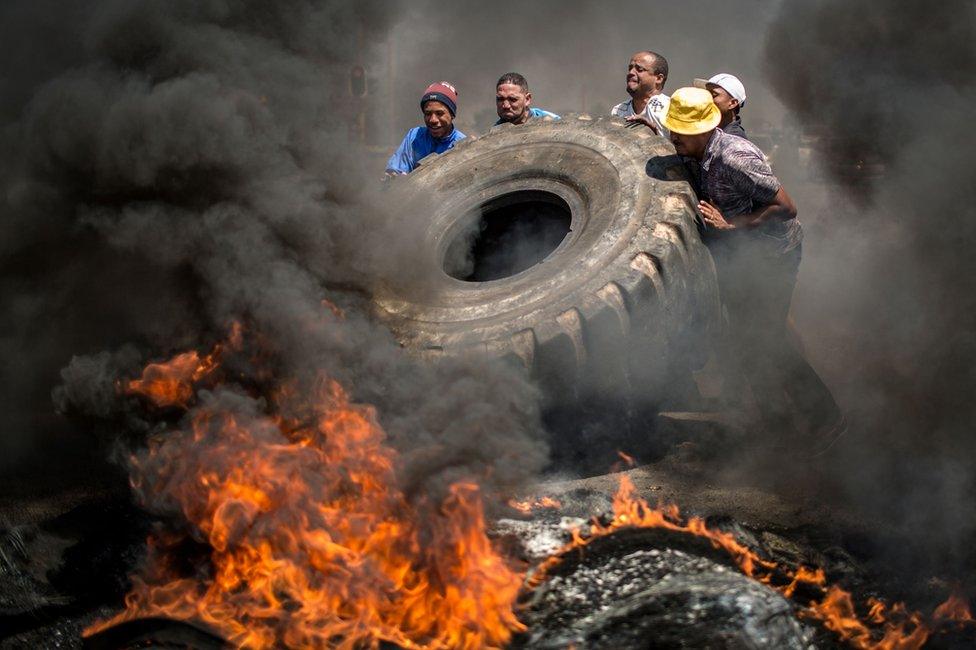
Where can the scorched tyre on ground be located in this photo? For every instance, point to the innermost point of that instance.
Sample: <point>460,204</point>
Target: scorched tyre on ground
<point>569,244</point>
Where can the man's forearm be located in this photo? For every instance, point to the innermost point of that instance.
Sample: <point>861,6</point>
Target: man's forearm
<point>781,208</point>
<point>758,218</point>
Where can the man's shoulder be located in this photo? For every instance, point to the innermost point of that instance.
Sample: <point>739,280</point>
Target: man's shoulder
<point>658,105</point>
<point>623,108</point>
<point>731,145</point>
<point>735,128</point>
<point>735,156</point>
<point>540,112</point>
<point>415,132</point>
<point>458,135</point>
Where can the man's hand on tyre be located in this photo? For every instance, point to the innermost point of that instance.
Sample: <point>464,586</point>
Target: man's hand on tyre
<point>713,216</point>
<point>634,120</point>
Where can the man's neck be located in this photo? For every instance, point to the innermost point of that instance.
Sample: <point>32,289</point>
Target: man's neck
<point>639,101</point>
<point>704,150</point>
<point>727,118</point>
<point>524,117</point>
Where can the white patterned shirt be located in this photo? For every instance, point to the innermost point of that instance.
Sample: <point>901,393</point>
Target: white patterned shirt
<point>655,111</point>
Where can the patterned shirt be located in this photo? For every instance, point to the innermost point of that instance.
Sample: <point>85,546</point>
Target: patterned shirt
<point>655,110</point>
<point>735,176</point>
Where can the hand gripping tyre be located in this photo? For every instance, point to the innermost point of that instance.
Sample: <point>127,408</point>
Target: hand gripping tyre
<point>570,245</point>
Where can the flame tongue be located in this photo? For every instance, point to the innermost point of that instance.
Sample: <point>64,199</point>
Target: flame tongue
<point>955,609</point>
<point>311,543</point>
<point>172,383</point>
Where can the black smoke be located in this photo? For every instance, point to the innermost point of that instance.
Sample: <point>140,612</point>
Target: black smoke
<point>170,167</point>
<point>893,284</point>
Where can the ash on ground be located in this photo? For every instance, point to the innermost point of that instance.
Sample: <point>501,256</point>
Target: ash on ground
<point>534,540</point>
<point>643,588</point>
<point>659,598</point>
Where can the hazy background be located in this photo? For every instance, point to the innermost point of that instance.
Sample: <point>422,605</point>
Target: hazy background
<point>574,55</point>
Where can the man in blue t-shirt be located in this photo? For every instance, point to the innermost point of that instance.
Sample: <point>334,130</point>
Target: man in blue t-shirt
<point>439,104</point>
<point>513,101</point>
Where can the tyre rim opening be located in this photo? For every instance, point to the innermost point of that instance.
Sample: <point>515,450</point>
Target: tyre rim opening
<point>507,235</point>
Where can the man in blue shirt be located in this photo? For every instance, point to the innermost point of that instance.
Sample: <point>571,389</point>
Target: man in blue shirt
<point>439,104</point>
<point>513,101</point>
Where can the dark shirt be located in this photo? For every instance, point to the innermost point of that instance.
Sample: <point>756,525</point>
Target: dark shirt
<point>737,179</point>
<point>735,128</point>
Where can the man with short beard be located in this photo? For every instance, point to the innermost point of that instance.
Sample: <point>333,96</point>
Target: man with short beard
<point>439,105</point>
<point>513,101</point>
<point>647,73</point>
<point>755,240</point>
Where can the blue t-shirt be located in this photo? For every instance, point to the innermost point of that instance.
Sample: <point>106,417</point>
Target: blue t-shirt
<point>535,112</point>
<point>417,144</point>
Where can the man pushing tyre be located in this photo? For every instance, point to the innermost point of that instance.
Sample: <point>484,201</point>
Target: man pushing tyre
<point>756,242</point>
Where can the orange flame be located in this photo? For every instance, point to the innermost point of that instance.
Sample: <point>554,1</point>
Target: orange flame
<point>955,609</point>
<point>804,575</point>
<point>528,506</point>
<point>171,383</point>
<point>311,544</point>
<point>876,611</point>
<point>627,458</point>
<point>837,613</point>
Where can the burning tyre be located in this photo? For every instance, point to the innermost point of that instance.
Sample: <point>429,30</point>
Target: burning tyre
<point>571,245</point>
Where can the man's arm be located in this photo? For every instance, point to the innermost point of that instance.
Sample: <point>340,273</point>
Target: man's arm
<point>640,119</point>
<point>749,173</point>
<point>781,208</point>
<point>401,162</point>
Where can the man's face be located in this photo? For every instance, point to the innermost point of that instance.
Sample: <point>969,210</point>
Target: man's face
<point>722,99</point>
<point>437,119</point>
<point>640,75</point>
<point>512,103</point>
<point>692,146</point>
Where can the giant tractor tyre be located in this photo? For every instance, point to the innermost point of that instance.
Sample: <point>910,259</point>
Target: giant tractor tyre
<point>626,298</point>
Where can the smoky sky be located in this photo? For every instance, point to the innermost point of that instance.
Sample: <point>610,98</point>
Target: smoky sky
<point>170,167</point>
<point>574,54</point>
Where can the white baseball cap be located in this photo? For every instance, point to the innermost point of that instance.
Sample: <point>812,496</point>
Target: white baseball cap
<point>729,83</point>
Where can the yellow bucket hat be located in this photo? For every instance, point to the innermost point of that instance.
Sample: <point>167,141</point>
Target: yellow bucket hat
<point>692,111</point>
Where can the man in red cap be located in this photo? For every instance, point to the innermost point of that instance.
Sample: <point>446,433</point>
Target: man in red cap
<point>439,105</point>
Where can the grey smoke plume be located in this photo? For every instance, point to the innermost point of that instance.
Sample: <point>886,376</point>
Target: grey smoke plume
<point>172,166</point>
<point>893,283</point>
